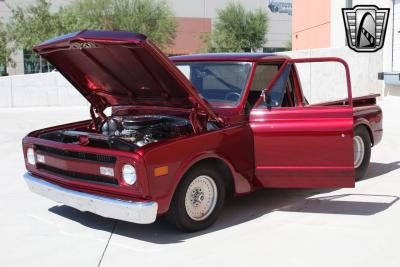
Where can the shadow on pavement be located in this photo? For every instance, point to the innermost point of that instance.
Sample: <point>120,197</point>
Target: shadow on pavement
<point>376,169</point>
<point>249,207</point>
<point>364,205</point>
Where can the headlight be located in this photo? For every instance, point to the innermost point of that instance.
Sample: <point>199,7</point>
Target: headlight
<point>30,155</point>
<point>129,174</point>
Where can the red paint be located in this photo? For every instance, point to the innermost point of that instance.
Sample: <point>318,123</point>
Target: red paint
<point>295,147</point>
<point>120,68</point>
<point>310,147</point>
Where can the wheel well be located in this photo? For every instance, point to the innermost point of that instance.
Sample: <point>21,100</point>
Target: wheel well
<point>368,131</point>
<point>222,168</point>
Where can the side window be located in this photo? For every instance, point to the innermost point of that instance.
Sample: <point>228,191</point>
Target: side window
<point>291,93</point>
<point>262,77</point>
<point>282,93</point>
<point>322,83</point>
<point>279,92</point>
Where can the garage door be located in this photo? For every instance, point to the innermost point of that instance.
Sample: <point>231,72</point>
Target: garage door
<point>396,37</point>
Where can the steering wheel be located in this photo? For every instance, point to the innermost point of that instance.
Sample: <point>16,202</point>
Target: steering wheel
<point>230,94</point>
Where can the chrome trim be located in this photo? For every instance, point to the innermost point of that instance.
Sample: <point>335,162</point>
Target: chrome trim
<point>136,212</point>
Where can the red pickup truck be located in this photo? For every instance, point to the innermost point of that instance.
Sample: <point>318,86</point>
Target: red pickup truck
<point>187,131</point>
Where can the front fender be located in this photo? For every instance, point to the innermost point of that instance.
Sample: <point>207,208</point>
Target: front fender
<point>240,183</point>
<point>233,146</point>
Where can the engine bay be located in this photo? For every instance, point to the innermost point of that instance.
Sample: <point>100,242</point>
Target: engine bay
<point>125,132</point>
<point>143,130</point>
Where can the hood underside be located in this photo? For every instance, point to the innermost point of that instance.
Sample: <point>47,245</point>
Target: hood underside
<point>113,68</point>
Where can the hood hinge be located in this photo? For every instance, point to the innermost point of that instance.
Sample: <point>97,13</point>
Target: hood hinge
<point>96,111</point>
<point>199,119</point>
<point>197,123</point>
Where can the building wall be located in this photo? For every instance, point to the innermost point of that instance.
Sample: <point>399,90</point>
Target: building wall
<point>338,31</point>
<point>311,24</point>
<point>392,60</point>
<point>189,35</point>
<point>41,89</point>
<point>396,36</point>
<point>279,27</point>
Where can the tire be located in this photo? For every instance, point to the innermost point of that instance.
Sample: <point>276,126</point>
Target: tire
<point>361,165</point>
<point>183,212</point>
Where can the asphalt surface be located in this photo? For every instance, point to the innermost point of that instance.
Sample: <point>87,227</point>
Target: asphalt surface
<point>346,227</point>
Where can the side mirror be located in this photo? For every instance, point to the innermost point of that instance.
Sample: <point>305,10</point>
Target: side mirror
<point>267,99</point>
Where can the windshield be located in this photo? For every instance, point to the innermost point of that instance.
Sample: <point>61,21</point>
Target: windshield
<point>222,84</point>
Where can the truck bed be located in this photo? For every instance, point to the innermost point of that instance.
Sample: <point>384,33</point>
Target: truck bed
<point>365,113</point>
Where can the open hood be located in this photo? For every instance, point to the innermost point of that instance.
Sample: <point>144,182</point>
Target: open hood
<point>114,68</point>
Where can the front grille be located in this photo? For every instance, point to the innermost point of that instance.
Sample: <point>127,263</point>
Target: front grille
<point>77,155</point>
<point>78,175</point>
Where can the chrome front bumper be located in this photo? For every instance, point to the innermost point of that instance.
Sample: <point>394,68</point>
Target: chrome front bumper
<point>136,212</point>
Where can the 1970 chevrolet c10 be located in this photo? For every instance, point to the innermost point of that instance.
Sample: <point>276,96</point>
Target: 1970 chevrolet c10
<point>186,131</point>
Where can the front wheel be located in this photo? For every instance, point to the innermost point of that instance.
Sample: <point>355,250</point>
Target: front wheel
<point>198,199</point>
<point>362,151</point>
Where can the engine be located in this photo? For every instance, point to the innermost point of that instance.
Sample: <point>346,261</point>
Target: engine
<point>124,133</point>
<point>143,130</point>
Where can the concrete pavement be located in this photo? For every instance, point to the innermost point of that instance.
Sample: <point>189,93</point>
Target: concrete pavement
<point>346,227</point>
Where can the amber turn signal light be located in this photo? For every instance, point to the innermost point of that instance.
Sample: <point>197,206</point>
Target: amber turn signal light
<point>160,171</point>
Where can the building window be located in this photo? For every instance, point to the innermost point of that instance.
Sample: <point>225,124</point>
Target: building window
<point>35,64</point>
<point>273,49</point>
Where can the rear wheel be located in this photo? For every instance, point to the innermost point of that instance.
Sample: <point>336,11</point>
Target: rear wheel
<point>362,151</point>
<point>198,200</point>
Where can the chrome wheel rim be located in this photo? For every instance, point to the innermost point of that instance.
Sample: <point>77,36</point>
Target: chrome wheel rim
<point>359,151</point>
<point>201,198</point>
